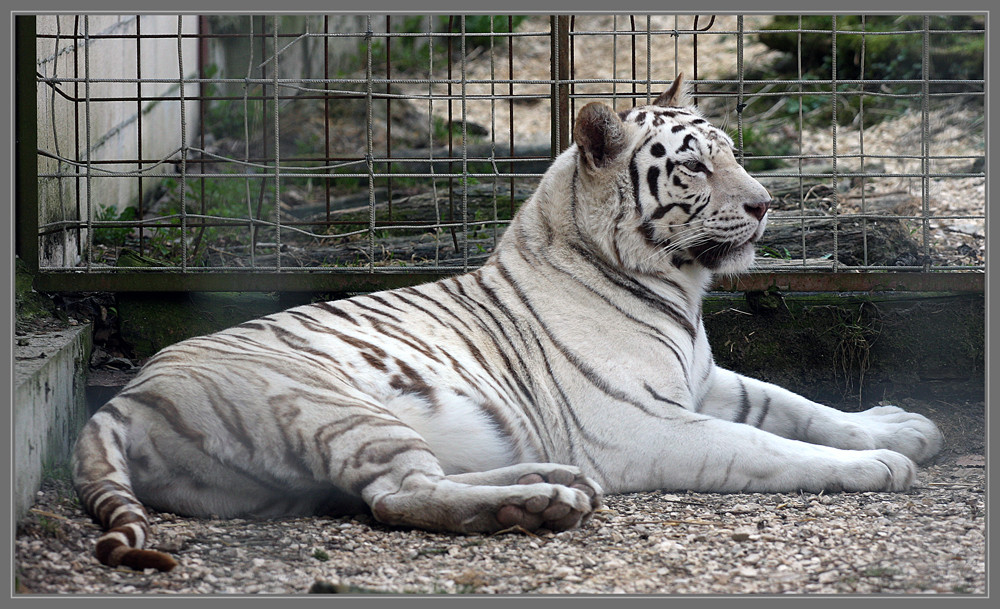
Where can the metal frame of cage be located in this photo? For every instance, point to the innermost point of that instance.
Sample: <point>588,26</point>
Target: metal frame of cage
<point>449,176</point>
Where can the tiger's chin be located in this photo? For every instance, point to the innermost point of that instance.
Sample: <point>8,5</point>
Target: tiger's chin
<point>724,258</point>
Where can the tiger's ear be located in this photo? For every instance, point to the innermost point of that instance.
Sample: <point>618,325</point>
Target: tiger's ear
<point>676,95</point>
<point>600,134</point>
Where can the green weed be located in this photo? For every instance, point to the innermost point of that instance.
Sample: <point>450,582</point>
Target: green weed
<point>114,236</point>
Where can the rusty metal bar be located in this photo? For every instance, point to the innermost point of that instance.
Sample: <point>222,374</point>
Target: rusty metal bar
<point>694,52</point>
<point>138,123</point>
<point>323,281</point>
<point>510,108</point>
<point>451,134</point>
<point>388,114</point>
<point>285,281</point>
<point>855,282</point>
<point>202,55</point>
<point>561,127</point>
<point>26,143</point>
<point>572,67</point>
<point>327,182</point>
<point>78,138</point>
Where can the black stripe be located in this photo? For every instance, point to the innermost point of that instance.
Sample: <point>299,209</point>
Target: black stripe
<point>443,308</point>
<point>617,226</point>
<point>382,301</point>
<point>330,432</point>
<point>160,404</point>
<point>729,471</point>
<point>698,210</point>
<point>633,171</point>
<point>376,310</point>
<point>285,414</point>
<point>572,191</point>
<point>252,325</point>
<point>661,398</point>
<point>522,376</point>
<point>487,408</point>
<point>654,332</point>
<point>567,406</point>
<point>744,404</point>
<point>303,315</point>
<point>521,373</point>
<point>653,180</point>
<point>642,292</point>
<point>403,336</point>
<point>362,483</point>
<point>423,310</point>
<point>112,411</point>
<point>663,210</point>
<point>331,308</point>
<point>227,412</point>
<point>763,411</point>
<point>301,346</point>
<point>582,367</point>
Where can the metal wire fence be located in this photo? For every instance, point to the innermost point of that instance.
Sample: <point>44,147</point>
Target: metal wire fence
<point>361,151</point>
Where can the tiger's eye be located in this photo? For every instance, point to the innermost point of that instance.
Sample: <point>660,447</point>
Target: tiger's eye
<point>696,166</point>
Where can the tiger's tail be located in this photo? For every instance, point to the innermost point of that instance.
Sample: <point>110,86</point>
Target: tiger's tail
<point>101,479</point>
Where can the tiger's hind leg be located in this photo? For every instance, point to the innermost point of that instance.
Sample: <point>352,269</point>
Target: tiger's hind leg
<point>530,509</point>
<point>367,451</point>
<point>530,496</point>
<point>404,484</point>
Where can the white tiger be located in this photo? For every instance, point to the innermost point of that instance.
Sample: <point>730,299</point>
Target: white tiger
<point>573,363</point>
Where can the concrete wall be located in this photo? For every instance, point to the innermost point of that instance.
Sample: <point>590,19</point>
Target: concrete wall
<point>50,407</point>
<point>105,130</point>
<point>71,128</point>
<point>304,59</point>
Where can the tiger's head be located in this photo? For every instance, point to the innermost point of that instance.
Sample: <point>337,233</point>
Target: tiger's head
<point>669,191</point>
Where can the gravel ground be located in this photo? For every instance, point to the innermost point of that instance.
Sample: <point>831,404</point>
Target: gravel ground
<point>930,540</point>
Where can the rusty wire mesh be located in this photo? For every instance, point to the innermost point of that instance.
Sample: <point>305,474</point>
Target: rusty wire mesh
<point>394,143</point>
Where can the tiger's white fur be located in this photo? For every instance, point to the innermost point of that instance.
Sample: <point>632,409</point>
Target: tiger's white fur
<point>573,363</point>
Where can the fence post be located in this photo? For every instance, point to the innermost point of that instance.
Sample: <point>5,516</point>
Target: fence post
<point>561,126</point>
<point>26,143</point>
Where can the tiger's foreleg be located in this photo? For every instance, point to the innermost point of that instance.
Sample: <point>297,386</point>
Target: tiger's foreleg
<point>684,450</point>
<point>741,399</point>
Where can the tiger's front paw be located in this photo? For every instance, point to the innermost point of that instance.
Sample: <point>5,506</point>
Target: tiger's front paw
<point>875,470</point>
<point>895,429</point>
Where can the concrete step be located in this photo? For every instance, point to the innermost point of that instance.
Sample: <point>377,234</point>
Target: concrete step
<point>50,407</point>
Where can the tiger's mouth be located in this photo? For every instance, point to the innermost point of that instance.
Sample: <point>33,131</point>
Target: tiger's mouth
<point>711,254</point>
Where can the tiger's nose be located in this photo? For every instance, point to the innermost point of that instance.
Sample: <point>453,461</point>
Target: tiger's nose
<point>757,210</point>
